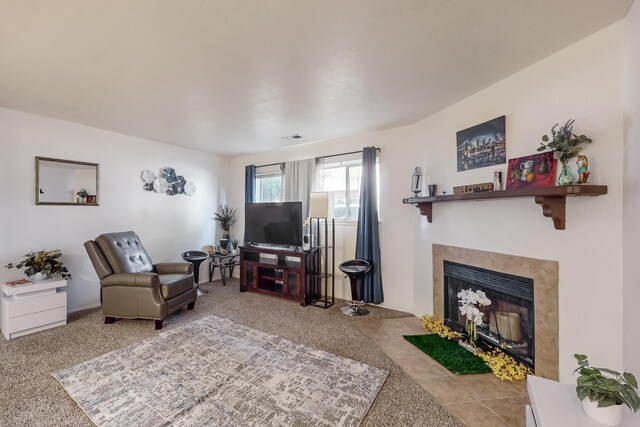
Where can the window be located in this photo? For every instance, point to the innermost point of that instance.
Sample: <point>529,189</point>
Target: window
<point>269,187</point>
<point>342,182</point>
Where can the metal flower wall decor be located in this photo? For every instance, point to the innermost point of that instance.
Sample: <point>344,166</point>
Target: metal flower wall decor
<point>168,182</point>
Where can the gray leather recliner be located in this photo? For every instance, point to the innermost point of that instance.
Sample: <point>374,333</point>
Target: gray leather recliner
<point>131,286</point>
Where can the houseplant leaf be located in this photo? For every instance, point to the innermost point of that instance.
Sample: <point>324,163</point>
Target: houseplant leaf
<point>630,379</point>
<point>631,398</point>
<point>606,402</point>
<point>609,371</point>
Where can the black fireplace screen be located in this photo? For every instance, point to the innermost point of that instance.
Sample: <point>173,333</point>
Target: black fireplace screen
<point>508,321</point>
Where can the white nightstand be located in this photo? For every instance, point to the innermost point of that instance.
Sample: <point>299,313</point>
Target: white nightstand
<point>33,308</point>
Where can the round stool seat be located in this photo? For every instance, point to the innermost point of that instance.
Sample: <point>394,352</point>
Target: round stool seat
<point>355,267</point>
<point>196,258</point>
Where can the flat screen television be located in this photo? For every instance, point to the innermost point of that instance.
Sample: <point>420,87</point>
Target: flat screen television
<point>273,223</point>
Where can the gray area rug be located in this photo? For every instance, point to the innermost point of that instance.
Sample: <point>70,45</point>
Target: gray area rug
<point>219,373</point>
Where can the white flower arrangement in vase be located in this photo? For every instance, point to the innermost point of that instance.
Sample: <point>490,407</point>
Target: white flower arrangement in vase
<point>469,300</point>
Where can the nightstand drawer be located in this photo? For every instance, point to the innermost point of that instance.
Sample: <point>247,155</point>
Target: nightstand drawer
<point>34,320</point>
<point>22,307</point>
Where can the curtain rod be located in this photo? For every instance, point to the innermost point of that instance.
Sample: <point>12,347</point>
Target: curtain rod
<point>270,164</point>
<point>378,149</point>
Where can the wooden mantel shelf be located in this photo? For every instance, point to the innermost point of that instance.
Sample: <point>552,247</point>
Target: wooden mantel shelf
<point>552,199</point>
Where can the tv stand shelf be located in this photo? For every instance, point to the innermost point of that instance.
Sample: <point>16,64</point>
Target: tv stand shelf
<point>272,271</point>
<point>552,199</point>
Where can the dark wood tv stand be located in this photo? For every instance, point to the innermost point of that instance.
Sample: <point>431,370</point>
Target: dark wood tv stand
<point>273,271</point>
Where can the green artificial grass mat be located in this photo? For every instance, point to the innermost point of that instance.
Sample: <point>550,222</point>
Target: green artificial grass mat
<point>449,354</point>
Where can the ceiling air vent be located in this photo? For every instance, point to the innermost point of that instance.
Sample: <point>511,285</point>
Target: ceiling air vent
<point>292,137</point>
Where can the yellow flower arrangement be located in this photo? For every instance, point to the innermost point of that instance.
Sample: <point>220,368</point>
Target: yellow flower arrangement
<point>504,366</point>
<point>439,328</point>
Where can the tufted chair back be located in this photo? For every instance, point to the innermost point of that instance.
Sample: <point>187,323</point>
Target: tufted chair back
<point>124,252</point>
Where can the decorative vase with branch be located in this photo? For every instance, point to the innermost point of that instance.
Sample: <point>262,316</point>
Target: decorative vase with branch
<point>565,145</point>
<point>226,216</point>
<point>469,300</point>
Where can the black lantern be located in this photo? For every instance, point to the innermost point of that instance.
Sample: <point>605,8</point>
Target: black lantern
<point>416,181</point>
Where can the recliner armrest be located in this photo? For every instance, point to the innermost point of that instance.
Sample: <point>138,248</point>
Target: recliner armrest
<point>173,268</point>
<point>139,280</point>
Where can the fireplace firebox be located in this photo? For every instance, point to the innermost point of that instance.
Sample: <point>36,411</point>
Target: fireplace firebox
<point>508,322</point>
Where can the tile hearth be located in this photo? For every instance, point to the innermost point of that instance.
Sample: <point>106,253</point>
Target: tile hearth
<point>476,400</point>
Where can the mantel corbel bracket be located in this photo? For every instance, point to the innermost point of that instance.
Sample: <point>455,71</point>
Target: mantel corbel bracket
<point>554,207</point>
<point>426,209</point>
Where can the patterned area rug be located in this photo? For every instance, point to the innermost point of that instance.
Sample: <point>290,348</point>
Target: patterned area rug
<point>216,372</point>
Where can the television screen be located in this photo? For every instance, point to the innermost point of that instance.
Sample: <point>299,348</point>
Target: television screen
<point>273,223</point>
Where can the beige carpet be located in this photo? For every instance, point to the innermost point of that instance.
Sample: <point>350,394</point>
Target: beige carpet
<point>30,396</point>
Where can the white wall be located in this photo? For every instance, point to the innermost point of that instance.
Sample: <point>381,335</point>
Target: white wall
<point>580,82</point>
<point>586,87</point>
<point>631,210</point>
<point>166,225</point>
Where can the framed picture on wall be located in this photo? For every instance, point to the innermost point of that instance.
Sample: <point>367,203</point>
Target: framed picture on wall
<point>536,170</point>
<point>482,145</point>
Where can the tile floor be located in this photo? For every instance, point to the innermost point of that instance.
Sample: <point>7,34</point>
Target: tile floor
<point>476,400</point>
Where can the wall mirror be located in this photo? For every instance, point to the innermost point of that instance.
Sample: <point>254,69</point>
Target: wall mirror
<point>66,182</point>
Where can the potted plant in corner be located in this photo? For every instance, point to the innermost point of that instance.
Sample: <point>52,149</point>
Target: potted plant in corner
<point>226,216</point>
<point>604,391</point>
<point>42,265</point>
<point>565,145</point>
<point>234,244</point>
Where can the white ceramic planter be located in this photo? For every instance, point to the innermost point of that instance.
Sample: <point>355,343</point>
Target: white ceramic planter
<point>609,416</point>
<point>38,277</point>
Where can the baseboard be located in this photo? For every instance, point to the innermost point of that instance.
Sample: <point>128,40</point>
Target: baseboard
<point>391,307</point>
<point>89,307</point>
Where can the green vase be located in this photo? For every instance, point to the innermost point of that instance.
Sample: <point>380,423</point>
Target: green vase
<point>565,178</point>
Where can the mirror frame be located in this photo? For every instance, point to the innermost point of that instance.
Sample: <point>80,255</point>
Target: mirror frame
<point>74,162</point>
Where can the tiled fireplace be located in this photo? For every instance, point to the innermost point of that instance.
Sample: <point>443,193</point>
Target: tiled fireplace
<point>523,315</point>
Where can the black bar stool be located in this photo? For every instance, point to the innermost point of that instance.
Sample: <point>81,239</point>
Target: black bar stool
<point>355,269</point>
<point>196,258</point>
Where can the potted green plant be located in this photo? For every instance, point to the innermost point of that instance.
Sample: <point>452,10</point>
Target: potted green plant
<point>565,145</point>
<point>604,391</point>
<point>226,216</point>
<point>41,265</point>
<point>82,194</point>
<point>234,244</point>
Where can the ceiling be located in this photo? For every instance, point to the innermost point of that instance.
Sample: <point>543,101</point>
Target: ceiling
<point>235,76</point>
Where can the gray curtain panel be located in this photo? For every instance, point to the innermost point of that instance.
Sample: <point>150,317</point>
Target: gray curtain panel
<point>368,236</point>
<point>298,182</point>
<point>250,184</point>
